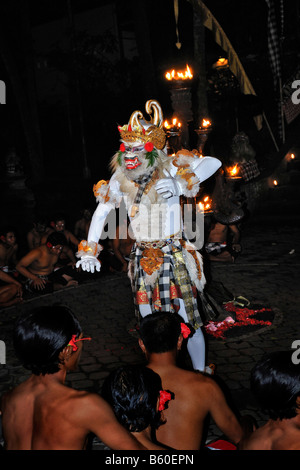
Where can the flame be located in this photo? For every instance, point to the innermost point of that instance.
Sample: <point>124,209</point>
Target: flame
<point>201,206</point>
<point>175,123</point>
<point>180,75</point>
<point>275,182</point>
<point>233,171</point>
<point>205,204</point>
<point>206,123</point>
<point>292,156</point>
<point>221,62</point>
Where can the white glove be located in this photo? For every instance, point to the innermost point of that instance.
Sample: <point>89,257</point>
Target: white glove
<point>89,263</point>
<point>168,187</point>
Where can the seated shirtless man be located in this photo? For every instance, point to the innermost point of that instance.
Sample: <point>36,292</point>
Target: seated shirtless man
<point>196,394</point>
<point>275,383</point>
<point>42,413</point>
<point>10,290</point>
<point>38,266</point>
<point>219,247</point>
<point>121,246</point>
<point>8,250</point>
<point>59,226</point>
<point>38,232</point>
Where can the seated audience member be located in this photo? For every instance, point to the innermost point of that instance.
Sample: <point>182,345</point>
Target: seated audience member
<point>10,290</point>
<point>136,396</point>
<point>121,246</point>
<point>82,225</point>
<point>37,233</point>
<point>8,250</point>
<point>223,243</point>
<point>59,225</point>
<point>275,383</point>
<point>197,395</point>
<point>38,267</point>
<point>42,413</point>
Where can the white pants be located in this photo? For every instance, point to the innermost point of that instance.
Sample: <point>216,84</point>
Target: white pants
<point>195,344</point>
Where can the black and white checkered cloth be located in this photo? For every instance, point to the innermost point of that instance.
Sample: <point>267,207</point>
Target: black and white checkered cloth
<point>168,273</point>
<point>273,43</point>
<point>142,182</point>
<point>249,170</point>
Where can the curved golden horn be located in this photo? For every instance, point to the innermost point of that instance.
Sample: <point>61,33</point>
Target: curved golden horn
<point>135,117</point>
<point>158,115</point>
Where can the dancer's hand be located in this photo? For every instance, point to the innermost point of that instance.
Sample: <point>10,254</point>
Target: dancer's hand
<point>89,263</point>
<point>168,187</point>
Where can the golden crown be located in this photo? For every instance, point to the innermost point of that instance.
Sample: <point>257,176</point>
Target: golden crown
<point>138,129</point>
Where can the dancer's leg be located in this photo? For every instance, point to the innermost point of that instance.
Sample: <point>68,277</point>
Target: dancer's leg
<point>195,344</point>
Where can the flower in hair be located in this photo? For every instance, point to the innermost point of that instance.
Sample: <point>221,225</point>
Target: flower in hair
<point>185,331</point>
<point>164,397</point>
<point>122,148</point>
<point>74,340</point>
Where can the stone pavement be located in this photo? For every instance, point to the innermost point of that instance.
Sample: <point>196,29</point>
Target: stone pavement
<point>266,272</point>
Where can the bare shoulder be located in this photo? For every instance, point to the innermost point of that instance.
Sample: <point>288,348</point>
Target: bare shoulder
<point>91,403</point>
<point>261,439</point>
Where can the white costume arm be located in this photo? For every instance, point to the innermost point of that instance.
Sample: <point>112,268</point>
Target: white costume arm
<point>172,185</point>
<point>205,167</point>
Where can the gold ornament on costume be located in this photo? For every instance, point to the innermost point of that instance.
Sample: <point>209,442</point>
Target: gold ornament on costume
<point>145,131</point>
<point>152,260</point>
<point>89,248</point>
<point>101,190</point>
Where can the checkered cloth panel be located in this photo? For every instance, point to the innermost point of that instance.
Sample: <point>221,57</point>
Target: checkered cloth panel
<point>249,170</point>
<point>273,42</point>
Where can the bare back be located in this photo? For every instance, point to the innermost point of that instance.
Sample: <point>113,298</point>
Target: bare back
<point>196,396</point>
<point>275,435</point>
<point>44,415</point>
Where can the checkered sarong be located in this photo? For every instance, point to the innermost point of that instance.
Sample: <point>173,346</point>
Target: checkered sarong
<point>172,282</point>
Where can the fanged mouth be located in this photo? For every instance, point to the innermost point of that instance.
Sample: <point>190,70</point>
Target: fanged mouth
<point>132,163</point>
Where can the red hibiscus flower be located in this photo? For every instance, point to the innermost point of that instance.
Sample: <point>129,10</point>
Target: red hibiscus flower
<point>164,396</point>
<point>149,146</point>
<point>122,147</point>
<point>185,331</point>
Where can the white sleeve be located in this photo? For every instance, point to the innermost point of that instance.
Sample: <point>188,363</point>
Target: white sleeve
<point>205,167</point>
<point>98,221</point>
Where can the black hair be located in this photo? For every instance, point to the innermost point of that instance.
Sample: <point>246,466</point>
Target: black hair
<point>40,335</point>
<point>275,383</point>
<point>57,238</point>
<point>160,331</point>
<point>132,392</point>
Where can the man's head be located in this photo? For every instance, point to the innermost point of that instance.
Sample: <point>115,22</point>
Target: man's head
<point>275,383</point>
<point>133,393</point>
<point>41,336</point>
<point>59,222</point>
<point>56,241</point>
<point>161,332</point>
<point>9,236</point>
